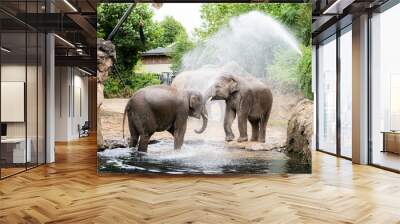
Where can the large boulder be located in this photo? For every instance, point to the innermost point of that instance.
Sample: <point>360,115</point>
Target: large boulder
<point>106,56</point>
<point>300,130</point>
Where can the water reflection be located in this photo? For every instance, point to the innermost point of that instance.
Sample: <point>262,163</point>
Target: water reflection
<point>198,157</point>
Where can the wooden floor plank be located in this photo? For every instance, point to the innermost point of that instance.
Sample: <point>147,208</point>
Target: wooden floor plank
<point>71,191</point>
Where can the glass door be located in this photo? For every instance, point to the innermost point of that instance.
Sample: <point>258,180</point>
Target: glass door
<point>346,92</point>
<point>385,89</point>
<point>327,95</point>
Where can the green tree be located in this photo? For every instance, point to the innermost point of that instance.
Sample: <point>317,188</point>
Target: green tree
<point>304,72</point>
<point>182,45</point>
<point>169,30</point>
<point>296,17</point>
<point>127,41</point>
<point>128,44</point>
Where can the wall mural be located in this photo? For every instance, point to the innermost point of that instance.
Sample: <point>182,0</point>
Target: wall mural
<point>227,93</point>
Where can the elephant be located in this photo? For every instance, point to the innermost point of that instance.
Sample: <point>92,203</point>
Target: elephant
<point>159,108</point>
<point>200,79</point>
<point>246,97</point>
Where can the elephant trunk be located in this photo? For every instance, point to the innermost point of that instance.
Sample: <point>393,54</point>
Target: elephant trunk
<point>204,116</point>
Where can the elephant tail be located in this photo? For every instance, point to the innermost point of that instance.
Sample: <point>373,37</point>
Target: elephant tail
<point>123,121</point>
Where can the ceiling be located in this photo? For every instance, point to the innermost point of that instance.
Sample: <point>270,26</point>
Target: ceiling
<point>74,22</point>
<point>330,15</point>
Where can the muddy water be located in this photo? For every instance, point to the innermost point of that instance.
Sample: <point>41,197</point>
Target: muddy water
<point>199,157</point>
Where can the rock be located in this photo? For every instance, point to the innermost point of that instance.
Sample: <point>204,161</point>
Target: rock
<point>254,146</point>
<point>106,55</point>
<point>114,143</point>
<point>300,130</point>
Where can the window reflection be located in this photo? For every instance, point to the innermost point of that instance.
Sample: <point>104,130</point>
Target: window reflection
<point>327,96</point>
<point>346,93</point>
<point>385,84</point>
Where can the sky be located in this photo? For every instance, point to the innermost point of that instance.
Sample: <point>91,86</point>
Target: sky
<point>188,14</point>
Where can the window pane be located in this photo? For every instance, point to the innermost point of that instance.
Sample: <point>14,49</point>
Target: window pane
<point>41,99</point>
<point>346,93</point>
<point>386,88</point>
<point>14,153</point>
<point>31,97</point>
<point>327,96</point>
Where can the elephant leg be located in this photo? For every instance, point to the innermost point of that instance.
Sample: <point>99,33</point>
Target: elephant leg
<point>171,131</point>
<point>179,133</point>
<point>143,142</point>
<point>228,120</point>
<point>221,109</point>
<point>242,124</point>
<point>263,126</point>
<point>134,135</point>
<point>255,126</point>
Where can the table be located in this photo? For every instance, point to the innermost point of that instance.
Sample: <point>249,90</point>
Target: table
<point>391,141</point>
<point>13,150</point>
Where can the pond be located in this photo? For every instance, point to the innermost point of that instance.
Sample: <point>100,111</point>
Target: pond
<point>198,157</point>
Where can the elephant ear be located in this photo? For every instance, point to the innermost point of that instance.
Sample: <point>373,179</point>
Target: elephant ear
<point>194,100</point>
<point>233,85</point>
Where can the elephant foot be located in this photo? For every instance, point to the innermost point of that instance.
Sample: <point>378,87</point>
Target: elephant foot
<point>254,139</point>
<point>229,138</point>
<point>142,150</point>
<point>242,139</point>
<point>261,140</point>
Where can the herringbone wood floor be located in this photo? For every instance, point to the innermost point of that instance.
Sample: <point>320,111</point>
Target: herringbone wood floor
<point>70,191</point>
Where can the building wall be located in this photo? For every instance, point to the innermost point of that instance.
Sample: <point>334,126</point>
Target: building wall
<point>156,64</point>
<point>33,127</point>
<point>156,60</point>
<point>157,68</point>
<point>71,102</point>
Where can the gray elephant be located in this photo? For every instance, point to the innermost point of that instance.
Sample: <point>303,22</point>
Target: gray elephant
<point>159,108</point>
<point>246,97</point>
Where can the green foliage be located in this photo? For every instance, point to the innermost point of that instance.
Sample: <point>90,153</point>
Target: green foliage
<point>296,17</point>
<point>113,87</point>
<point>127,41</point>
<point>291,70</point>
<point>129,45</point>
<point>304,72</point>
<point>287,68</point>
<point>170,29</point>
<point>182,45</point>
<point>284,67</point>
<point>142,80</point>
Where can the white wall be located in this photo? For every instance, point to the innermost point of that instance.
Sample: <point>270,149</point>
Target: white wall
<point>70,83</point>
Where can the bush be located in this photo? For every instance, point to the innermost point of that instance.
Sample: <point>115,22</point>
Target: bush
<point>304,72</point>
<point>142,80</point>
<point>114,87</point>
<point>283,68</point>
<point>290,70</point>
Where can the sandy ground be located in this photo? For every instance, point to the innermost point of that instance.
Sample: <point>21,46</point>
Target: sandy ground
<point>276,131</point>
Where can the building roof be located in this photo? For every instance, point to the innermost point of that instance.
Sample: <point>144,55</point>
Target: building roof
<point>159,51</point>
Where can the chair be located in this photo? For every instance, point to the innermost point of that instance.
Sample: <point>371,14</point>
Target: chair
<point>84,130</point>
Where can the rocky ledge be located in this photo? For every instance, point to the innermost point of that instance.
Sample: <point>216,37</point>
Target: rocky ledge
<point>300,130</point>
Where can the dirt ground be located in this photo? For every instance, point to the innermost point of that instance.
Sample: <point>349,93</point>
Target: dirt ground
<point>276,130</point>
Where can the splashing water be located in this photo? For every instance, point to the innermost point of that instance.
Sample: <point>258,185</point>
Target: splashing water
<point>198,157</point>
<point>248,41</point>
<point>245,46</point>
